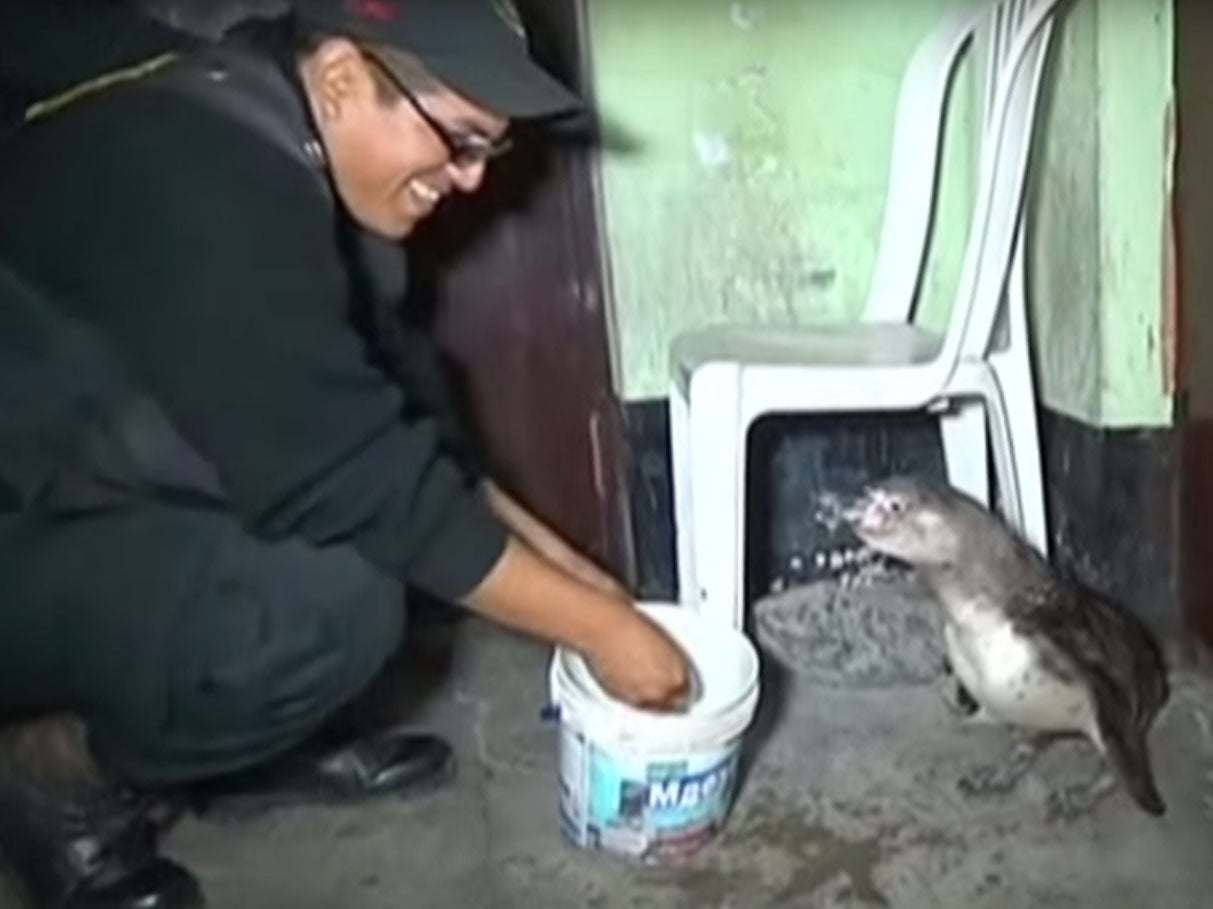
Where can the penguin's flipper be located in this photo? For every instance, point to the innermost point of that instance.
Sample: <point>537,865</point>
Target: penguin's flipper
<point>1093,638</point>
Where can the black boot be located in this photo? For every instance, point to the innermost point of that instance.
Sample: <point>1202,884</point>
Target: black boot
<point>79,843</point>
<point>396,765</point>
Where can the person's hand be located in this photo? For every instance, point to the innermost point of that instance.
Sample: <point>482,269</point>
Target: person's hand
<point>636,661</point>
<point>633,658</point>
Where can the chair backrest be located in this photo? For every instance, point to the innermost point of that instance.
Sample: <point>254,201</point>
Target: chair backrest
<point>915,161</point>
<point>1016,35</point>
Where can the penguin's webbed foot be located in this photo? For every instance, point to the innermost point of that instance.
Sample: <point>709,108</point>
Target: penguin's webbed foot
<point>1072,802</point>
<point>1001,777</point>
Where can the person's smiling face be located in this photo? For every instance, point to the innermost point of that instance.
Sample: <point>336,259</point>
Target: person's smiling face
<point>394,152</point>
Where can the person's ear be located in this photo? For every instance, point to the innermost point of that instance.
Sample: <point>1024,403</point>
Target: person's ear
<point>340,78</point>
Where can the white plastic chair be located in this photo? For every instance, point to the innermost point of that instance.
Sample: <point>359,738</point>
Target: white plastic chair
<point>978,371</point>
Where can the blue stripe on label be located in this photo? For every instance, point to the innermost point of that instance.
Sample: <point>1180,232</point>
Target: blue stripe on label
<point>660,800</point>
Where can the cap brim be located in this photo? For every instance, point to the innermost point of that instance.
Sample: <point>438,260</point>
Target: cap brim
<point>511,84</point>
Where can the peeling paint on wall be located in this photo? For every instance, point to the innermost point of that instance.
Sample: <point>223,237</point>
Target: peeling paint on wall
<point>747,16</point>
<point>1063,223</point>
<point>1100,199</point>
<point>1134,169</point>
<point>1170,259</point>
<point>713,150</point>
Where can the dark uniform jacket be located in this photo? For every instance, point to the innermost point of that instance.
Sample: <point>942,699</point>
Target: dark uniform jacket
<point>185,311</point>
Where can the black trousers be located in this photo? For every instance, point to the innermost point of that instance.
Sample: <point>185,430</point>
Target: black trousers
<point>189,647</point>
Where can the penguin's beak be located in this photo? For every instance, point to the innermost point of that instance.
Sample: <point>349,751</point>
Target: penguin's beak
<point>857,513</point>
<point>871,513</point>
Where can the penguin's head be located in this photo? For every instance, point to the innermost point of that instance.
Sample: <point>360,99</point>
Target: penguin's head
<point>910,519</point>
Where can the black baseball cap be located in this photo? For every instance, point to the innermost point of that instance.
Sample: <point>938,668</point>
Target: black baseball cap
<point>476,47</point>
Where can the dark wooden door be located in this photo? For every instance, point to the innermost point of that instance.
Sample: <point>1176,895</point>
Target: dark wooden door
<point>1193,223</point>
<point>514,276</point>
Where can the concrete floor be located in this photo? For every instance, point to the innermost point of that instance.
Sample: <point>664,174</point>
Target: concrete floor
<point>851,801</point>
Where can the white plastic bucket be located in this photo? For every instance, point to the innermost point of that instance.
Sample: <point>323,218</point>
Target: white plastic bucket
<point>647,786</point>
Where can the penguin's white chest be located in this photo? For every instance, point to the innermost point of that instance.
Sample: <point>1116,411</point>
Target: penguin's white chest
<point>1004,673</point>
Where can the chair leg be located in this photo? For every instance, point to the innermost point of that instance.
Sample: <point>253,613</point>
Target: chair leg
<point>964,447</point>
<point>684,508</point>
<point>1023,439</point>
<point>717,440</point>
<point>1009,500</point>
<point>1012,368</point>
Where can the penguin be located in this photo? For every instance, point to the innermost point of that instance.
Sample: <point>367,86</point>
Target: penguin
<point>1030,648</point>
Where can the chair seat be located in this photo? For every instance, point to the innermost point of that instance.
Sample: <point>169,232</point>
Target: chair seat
<point>859,346</point>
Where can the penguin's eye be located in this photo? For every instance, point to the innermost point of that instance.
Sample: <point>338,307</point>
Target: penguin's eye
<point>896,506</point>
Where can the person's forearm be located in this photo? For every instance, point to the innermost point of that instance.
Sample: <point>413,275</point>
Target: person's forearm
<point>547,543</point>
<point>631,656</point>
<point>525,592</point>
<point>524,524</point>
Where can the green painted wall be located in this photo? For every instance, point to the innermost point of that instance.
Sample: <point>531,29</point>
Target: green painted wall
<point>1136,165</point>
<point>1098,207</point>
<point>753,183</point>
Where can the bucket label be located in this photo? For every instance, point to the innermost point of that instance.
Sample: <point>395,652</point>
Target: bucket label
<point>690,792</point>
<point>645,808</point>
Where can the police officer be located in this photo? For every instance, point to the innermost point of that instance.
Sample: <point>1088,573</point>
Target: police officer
<point>216,476</point>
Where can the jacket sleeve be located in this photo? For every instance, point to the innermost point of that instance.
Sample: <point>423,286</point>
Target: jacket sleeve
<point>210,260</point>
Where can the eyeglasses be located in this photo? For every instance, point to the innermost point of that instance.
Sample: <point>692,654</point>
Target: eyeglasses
<point>465,149</point>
